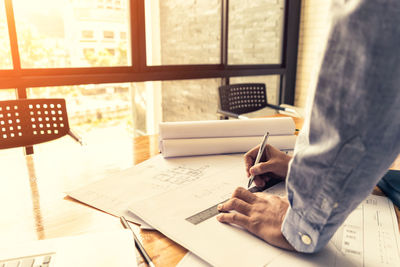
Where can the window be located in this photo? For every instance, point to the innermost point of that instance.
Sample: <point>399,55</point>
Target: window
<point>255,31</point>
<point>193,97</point>
<point>122,35</point>
<point>111,51</point>
<point>87,34</point>
<point>51,33</point>
<point>100,3</point>
<point>177,100</point>
<point>5,52</point>
<point>183,32</point>
<point>168,57</point>
<point>109,4</point>
<point>8,94</point>
<point>108,35</point>
<point>102,115</point>
<point>88,53</point>
<point>118,4</point>
<point>92,106</point>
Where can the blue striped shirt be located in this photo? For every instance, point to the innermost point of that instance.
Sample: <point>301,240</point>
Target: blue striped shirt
<point>352,135</point>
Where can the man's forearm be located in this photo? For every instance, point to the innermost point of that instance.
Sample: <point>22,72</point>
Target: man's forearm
<point>351,136</point>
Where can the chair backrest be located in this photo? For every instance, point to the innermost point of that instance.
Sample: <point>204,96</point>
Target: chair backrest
<point>242,98</point>
<point>27,122</point>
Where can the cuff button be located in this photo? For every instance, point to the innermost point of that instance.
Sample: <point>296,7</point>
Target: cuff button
<point>306,239</point>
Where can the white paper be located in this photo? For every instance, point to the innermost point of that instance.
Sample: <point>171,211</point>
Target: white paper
<point>221,145</point>
<point>191,260</point>
<point>227,128</point>
<point>150,178</point>
<point>369,236</point>
<point>218,244</point>
<point>114,248</point>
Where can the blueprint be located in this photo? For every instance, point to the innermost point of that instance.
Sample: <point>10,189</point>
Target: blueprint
<point>368,237</point>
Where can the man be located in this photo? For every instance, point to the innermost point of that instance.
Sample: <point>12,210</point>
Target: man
<point>348,141</point>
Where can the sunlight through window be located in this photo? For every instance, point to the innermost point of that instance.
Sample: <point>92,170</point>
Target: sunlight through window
<point>70,33</point>
<point>5,52</point>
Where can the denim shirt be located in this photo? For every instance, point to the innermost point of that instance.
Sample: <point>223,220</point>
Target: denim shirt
<point>352,134</point>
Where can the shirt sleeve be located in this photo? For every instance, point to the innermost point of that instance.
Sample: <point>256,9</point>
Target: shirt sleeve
<point>352,134</point>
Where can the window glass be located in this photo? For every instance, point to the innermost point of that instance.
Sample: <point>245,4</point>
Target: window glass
<point>183,32</point>
<point>183,100</point>
<point>5,52</point>
<point>108,34</point>
<point>56,33</point>
<point>255,31</point>
<point>93,106</point>
<point>272,84</point>
<point>7,94</point>
<point>190,99</point>
<point>87,34</point>
<point>133,108</point>
<point>101,114</point>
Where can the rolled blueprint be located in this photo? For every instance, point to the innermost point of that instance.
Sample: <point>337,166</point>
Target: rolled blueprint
<point>227,128</point>
<point>221,145</point>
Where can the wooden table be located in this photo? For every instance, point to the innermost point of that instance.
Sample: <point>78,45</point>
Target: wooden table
<point>34,204</point>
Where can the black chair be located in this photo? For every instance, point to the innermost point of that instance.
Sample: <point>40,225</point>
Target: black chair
<point>238,99</point>
<point>26,122</point>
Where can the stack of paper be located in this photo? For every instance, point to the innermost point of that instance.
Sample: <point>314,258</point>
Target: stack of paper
<point>150,178</point>
<point>112,248</point>
<point>168,192</point>
<point>224,136</point>
<point>369,236</point>
<point>165,192</point>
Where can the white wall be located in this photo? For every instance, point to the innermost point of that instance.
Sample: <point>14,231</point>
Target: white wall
<point>314,26</point>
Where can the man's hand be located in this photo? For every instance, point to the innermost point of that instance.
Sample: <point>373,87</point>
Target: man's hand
<point>274,164</point>
<point>260,214</point>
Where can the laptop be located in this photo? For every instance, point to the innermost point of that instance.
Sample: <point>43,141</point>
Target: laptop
<point>114,248</point>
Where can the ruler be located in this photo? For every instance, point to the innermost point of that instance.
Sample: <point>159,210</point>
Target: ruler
<point>212,211</point>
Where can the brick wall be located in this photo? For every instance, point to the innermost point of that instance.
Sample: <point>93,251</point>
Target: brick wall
<point>190,31</point>
<point>255,30</point>
<point>190,100</point>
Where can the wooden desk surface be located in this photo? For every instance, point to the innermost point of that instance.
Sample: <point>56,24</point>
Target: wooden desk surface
<point>32,190</point>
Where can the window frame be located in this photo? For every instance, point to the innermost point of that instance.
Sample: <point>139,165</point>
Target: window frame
<point>22,78</point>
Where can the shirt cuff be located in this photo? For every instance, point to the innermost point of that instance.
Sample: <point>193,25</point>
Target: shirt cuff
<point>300,233</point>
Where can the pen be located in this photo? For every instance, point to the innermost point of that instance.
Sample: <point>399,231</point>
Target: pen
<point>258,158</point>
<point>137,242</point>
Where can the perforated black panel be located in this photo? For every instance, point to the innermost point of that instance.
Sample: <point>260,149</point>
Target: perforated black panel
<point>242,98</point>
<point>32,121</point>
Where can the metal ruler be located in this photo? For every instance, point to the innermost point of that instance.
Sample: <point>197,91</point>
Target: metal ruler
<point>212,211</point>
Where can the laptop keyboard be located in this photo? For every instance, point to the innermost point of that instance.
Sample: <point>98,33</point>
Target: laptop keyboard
<point>42,260</point>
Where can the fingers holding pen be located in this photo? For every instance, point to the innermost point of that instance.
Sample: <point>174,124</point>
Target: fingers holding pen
<point>260,182</point>
<point>250,158</point>
<point>262,168</point>
<point>274,162</point>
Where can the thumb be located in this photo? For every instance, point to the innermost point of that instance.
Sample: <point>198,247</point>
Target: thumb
<point>261,168</point>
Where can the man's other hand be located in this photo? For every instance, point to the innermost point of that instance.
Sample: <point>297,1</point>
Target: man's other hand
<point>261,214</point>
